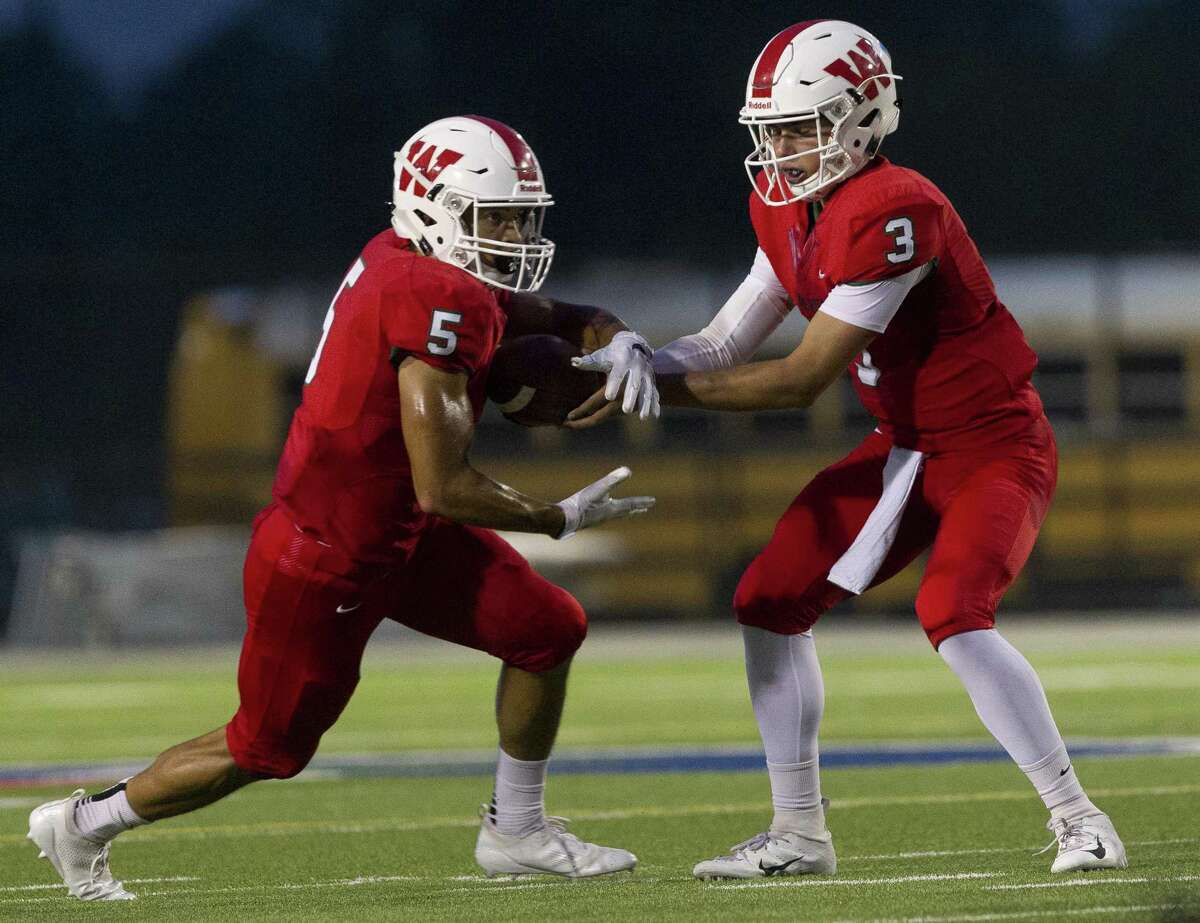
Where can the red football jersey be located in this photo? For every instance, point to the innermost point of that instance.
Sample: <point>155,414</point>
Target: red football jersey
<point>344,474</point>
<point>952,368</point>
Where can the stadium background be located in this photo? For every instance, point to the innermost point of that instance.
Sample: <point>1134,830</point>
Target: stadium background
<point>171,241</point>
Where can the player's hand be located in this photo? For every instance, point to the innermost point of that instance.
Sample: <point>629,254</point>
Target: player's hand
<point>596,409</point>
<point>594,505</point>
<point>626,359</point>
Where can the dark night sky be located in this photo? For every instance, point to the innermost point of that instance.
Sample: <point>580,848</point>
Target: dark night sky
<point>128,41</point>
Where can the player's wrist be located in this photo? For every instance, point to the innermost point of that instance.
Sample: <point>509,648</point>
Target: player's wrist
<point>634,341</point>
<point>559,522</point>
<point>603,328</point>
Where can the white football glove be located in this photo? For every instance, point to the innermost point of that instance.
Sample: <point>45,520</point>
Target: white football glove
<point>626,359</point>
<point>593,505</point>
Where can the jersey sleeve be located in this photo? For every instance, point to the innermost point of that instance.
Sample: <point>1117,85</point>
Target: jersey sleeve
<point>872,305</point>
<point>439,319</point>
<point>889,236</point>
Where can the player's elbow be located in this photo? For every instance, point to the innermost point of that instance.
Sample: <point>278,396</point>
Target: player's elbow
<point>431,502</point>
<point>444,492</point>
<point>801,384</point>
<point>432,495</point>
<point>794,394</point>
<point>803,397</point>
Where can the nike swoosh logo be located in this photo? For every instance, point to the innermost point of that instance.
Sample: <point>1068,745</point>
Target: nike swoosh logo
<point>349,608</point>
<point>1099,852</point>
<point>770,870</point>
<point>1065,771</point>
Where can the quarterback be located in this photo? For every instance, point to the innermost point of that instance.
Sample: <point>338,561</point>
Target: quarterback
<point>376,513</point>
<point>962,462</point>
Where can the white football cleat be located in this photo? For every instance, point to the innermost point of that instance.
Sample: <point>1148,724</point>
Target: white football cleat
<point>768,854</point>
<point>82,863</point>
<point>549,850</point>
<point>1086,844</point>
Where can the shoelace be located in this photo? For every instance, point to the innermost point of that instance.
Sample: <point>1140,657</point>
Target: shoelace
<point>571,845</point>
<point>739,850</point>
<point>1068,835</point>
<point>99,870</point>
<point>759,840</point>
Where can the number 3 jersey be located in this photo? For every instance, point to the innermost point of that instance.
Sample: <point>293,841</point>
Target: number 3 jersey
<point>952,368</point>
<point>344,475</point>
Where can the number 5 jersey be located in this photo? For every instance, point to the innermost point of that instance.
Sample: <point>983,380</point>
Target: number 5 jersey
<point>344,476</point>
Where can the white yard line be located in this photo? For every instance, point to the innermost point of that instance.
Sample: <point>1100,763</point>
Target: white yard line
<point>940,853</point>
<point>1032,914</point>
<point>1087,882</point>
<point>509,885</point>
<point>233,889</point>
<point>484,880</point>
<point>520,886</point>
<point>283,886</point>
<point>878,857</point>
<point>153,834</point>
<point>129,881</point>
<point>1070,883</point>
<point>361,880</point>
<point>836,882</point>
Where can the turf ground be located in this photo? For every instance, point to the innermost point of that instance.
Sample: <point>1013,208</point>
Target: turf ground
<point>932,842</point>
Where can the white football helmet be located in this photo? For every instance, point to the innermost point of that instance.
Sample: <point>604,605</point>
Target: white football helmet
<point>834,74</point>
<point>450,170</point>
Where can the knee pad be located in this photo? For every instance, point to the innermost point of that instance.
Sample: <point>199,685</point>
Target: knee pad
<point>943,613</point>
<point>553,637</point>
<point>786,613</point>
<point>269,759</point>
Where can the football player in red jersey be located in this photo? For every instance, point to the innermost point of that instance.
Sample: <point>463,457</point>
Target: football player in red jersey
<point>377,513</point>
<point>963,461</point>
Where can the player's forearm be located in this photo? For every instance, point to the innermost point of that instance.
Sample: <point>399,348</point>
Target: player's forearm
<point>471,497</point>
<point>587,326</point>
<point>769,385</point>
<point>584,325</point>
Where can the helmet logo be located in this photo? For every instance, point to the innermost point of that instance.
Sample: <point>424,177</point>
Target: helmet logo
<point>860,68</point>
<point>420,156</point>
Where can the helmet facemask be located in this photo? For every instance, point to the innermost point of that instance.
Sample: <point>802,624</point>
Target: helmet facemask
<point>846,138</point>
<point>519,266</point>
<point>833,164</point>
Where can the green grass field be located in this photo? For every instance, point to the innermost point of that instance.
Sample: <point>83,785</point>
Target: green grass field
<point>939,842</point>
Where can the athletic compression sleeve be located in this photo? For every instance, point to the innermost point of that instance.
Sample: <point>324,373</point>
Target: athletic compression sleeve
<point>743,324</point>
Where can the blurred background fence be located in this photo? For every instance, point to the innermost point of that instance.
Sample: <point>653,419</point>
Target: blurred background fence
<point>177,214</point>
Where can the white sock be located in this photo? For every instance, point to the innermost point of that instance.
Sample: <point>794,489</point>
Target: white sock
<point>1009,699</point>
<point>788,696</point>
<point>518,805</point>
<point>102,816</point>
<point>1055,780</point>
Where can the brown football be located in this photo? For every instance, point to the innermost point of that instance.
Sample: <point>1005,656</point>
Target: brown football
<point>533,383</point>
